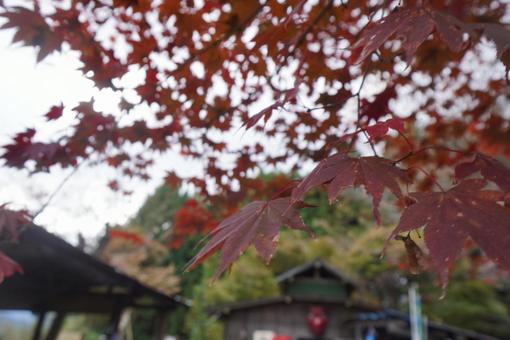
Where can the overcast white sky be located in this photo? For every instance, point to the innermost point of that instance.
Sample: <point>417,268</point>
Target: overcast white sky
<point>85,204</point>
<point>27,91</point>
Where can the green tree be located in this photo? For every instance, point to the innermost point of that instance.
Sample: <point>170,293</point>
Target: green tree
<point>158,211</point>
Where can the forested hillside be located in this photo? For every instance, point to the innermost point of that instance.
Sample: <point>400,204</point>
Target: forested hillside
<point>348,240</point>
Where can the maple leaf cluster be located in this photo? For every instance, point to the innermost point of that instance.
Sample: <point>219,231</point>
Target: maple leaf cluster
<point>257,223</point>
<point>207,65</point>
<point>190,220</point>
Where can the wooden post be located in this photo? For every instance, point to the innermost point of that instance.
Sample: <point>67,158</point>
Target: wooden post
<point>159,324</point>
<point>112,330</point>
<point>358,333</point>
<point>38,327</point>
<point>56,325</point>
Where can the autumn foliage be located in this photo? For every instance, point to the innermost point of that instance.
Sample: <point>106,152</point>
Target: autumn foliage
<point>140,257</point>
<point>407,96</point>
<point>11,223</point>
<point>192,219</point>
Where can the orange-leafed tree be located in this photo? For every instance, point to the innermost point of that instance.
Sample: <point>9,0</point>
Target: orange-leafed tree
<point>140,257</point>
<point>408,97</point>
<point>190,220</point>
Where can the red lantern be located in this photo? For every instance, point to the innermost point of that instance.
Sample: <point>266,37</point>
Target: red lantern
<point>317,321</point>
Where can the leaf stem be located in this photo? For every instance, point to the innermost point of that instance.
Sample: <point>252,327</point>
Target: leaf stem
<point>301,39</point>
<point>358,118</point>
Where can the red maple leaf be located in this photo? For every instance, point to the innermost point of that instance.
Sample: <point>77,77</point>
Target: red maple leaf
<point>23,150</point>
<point>412,26</point>
<point>288,96</point>
<point>11,222</point>
<point>497,33</point>
<point>258,223</point>
<point>379,129</point>
<point>32,30</point>
<point>490,168</point>
<point>172,180</point>
<point>55,112</point>
<point>8,267</point>
<point>265,113</point>
<point>13,152</point>
<point>451,217</point>
<point>191,219</point>
<point>501,38</point>
<point>380,106</point>
<point>131,236</point>
<point>341,171</point>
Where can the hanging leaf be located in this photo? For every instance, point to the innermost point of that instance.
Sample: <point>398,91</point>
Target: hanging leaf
<point>258,223</point>
<point>340,171</point>
<point>379,129</point>
<point>490,168</point>
<point>412,26</point>
<point>415,255</point>
<point>265,113</point>
<point>379,107</point>
<point>451,217</point>
<point>8,267</point>
<point>286,97</point>
<point>496,33</point>
<point>32,30</point>
<point>23,149</point>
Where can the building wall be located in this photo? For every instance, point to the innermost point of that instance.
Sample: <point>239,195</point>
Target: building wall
<point>287,319</point>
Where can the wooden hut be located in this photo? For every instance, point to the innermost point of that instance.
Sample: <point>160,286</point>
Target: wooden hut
<point>316,304</point>
<point>65,280</point>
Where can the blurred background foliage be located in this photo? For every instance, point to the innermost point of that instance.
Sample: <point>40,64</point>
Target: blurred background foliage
<point>347,238</point>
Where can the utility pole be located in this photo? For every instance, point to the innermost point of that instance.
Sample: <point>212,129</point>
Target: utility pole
<point>416,318</point>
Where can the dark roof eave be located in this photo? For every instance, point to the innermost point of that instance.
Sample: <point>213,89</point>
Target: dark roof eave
<point>285,276</point>
<point>112,277</point>
<point>236,306</point>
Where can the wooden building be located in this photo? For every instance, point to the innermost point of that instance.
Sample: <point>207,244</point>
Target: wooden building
<point>60,279</point>
<point>316,304</point>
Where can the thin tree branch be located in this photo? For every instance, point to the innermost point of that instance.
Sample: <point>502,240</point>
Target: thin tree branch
<point>302,37</point>
<point>56,191</point>
<point>430,147</point>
